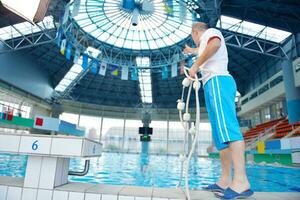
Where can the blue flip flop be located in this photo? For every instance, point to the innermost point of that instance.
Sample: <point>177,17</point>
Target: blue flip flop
<point>231,194</point>
<point>214,188</point>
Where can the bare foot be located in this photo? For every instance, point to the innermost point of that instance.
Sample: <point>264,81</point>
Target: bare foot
<point>224,183</point>
<point>240,186</point>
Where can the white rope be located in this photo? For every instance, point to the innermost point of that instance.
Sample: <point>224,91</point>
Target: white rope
<point>184,119</point>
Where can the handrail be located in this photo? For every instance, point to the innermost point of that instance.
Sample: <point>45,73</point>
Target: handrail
<point>82,173</point>
<point>292,132</point>
<point>264,133</point>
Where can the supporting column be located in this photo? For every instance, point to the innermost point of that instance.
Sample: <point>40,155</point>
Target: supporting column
<point>56,110</point>
<point>79,114</point>
<point>101,127</point>
<point>124,126</point>
<point>46,172</point>
<point>292,93</point>
<point>168,132</point>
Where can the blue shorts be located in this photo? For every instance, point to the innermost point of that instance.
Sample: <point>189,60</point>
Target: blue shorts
<point>220,93</point>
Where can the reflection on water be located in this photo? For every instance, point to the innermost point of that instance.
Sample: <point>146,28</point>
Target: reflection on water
<point>146,169</point>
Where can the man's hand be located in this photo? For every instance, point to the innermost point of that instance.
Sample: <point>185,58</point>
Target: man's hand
<point>193,70</point>
<point>187,50</point>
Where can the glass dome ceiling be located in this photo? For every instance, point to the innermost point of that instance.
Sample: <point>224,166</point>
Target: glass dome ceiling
<point>109,22</point>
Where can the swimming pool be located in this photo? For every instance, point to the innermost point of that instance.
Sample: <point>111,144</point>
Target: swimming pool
<point>162,171</point>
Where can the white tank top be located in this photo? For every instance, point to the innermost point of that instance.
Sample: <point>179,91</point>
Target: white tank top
<point>218,63</point>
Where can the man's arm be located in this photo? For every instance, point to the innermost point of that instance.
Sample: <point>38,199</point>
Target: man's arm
<point>211,48</point>
<point>191,50</point>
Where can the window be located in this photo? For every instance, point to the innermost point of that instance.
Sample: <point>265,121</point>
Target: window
<point>92,126</point>
<point>252,29</point>
<point>69,117</point>
<point>144,79</point>
<point>276,81</point>
<point>263,89</point>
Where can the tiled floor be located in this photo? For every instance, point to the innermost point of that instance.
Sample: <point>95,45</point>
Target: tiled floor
<point>11,189</point>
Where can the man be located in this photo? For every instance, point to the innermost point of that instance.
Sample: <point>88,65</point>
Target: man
<point>220,92</point>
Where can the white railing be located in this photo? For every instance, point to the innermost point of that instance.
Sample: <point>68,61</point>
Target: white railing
<point>264,135</point>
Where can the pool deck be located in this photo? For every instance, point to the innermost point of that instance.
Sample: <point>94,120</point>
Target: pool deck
<point>12,189</point>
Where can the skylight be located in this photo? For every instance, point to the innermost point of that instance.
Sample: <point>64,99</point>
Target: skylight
<point>75,70</point>
<point>26,28</point>
<point>107,22</point>
<point>144,79</point>
<point>252,29</point>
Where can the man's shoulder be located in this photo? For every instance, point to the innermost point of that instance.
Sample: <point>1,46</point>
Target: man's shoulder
<point>213,31</point>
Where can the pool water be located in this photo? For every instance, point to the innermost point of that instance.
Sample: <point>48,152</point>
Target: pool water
<point>162,171</point>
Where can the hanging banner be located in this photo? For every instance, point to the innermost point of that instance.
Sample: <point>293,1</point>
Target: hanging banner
<point>94,66</point>
<point>124,75</point>
<point>114,70</point>
<point>85,59</point>
<point>69,51</point>
<point>168,6</point>
<point>76,6</point>
<point>76,56</point>
<point>134,74</point>
<point>164,73</point>
<point>102,70</point>
<point>174,70</point>
<point>63,46</point>
<point>59,36</point>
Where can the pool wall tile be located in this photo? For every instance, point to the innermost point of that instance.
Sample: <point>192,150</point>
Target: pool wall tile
<point>9,143</point>
<point>65,170</point>
<point>33,171</point>
<point>42,145</point>
<point>14,193</point>
<point>58,175</point>
<point>109,197</point>
<point>60,195</point>
<point>76,196</point>
<point>48,170</point>
<point>29,193</point>
<point>3,191</point>
<point>58,147</point>
<point>126,198</point>
<point>90,196</point>
<point>143,198</point>
<point>44,194</point>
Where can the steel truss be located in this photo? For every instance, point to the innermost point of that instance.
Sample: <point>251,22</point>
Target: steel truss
<point>43,36</point>
<point>254,44</point>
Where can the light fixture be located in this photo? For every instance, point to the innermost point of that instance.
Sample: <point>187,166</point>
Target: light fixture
<point>32,10</point>
<point>135,17</point>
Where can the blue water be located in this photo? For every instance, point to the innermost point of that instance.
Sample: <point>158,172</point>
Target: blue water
<point>162,171</point>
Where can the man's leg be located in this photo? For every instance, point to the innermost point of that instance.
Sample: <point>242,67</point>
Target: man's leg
<point>225,156</point>
<point>226,162</point>
<point>240,181</point>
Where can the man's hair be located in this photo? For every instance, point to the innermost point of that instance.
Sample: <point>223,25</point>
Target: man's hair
<point>199,26</point>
